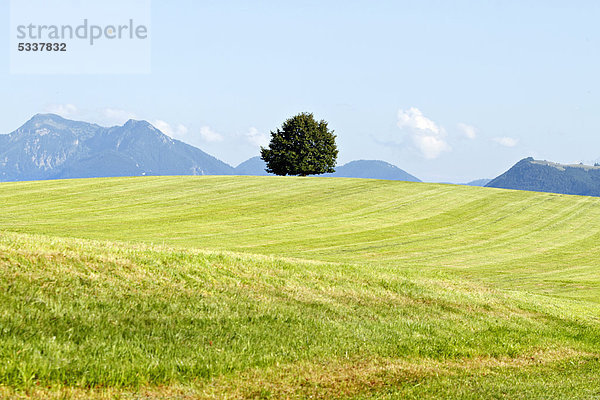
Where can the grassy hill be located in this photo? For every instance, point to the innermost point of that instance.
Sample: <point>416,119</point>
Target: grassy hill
<point>231,287</point>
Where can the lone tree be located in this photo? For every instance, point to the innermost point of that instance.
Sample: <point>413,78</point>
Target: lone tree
<point>302,147</point>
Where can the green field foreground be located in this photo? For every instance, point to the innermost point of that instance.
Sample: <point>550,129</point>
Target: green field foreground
<point>240,287</point>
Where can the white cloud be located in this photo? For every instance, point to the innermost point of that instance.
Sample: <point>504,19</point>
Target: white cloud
<point>208,135</point>
<point>506,141</point>
<point>176,132</point>
<point>180,131</point>
<point>431,146</point>
<point>257,138</point>
<point>426,135</point>
<point>414,118</point>
<point>467,130</point>
<point>64,110</point>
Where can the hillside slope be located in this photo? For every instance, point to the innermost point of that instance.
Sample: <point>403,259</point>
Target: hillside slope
<point>314,288</point>
<point>98,319</point>
<point>539,241</point>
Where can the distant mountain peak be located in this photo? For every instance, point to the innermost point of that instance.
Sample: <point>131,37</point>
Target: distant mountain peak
<point>547,176</point>
<point>373,169</point>
<point>45,119</point>
<point>145,129</point>
<point>139,124</point>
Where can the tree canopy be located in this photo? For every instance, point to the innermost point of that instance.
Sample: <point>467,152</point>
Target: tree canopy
<point>302,146</point>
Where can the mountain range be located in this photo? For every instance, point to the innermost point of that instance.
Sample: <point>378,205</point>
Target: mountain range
<point>51,147</point>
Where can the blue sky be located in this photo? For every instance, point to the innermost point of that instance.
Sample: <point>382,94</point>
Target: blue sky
<point>450,91</point>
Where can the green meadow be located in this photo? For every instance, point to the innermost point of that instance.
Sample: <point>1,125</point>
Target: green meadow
<point>271,287</point>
